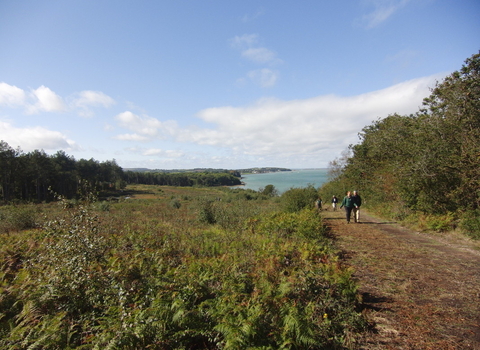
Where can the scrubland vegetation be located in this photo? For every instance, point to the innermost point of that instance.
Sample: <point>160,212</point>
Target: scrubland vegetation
<point>422,169</point>
<point>174,268</point>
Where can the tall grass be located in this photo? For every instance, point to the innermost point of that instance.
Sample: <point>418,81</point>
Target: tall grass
<point>149,275</point>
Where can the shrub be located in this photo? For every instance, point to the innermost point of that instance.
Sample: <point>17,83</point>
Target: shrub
<point>295,199</point>
<point>175,203</point>
<point>103,206</point>
<point>206,212</point>
<point>470,223</point>
<point>17,218</point>
<point>437,222</point>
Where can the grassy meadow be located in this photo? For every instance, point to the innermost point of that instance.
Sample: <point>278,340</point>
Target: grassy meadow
<point>157,267</point>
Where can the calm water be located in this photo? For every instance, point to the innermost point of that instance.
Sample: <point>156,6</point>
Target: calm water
<point>285,180</point>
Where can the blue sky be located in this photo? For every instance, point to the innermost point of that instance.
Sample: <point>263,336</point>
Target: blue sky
<point>219,84</point>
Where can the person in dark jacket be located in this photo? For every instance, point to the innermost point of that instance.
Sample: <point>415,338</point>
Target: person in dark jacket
<point>348,204</point>
<point>357,202</point>
<point>334,202</point>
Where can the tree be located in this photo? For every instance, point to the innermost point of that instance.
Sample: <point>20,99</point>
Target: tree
<point>8,168</point>
<point>269,191</point>
<point>451,116</point>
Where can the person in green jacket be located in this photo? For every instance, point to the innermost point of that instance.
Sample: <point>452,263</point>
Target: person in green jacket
<point>348,204</point>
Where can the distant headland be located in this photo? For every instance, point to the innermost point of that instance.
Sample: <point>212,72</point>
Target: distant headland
<point>257,170</point>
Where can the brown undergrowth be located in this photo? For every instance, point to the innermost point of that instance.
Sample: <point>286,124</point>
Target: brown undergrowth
<point>419,291</point>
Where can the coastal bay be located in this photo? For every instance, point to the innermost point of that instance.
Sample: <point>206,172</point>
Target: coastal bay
<point>285,180</point>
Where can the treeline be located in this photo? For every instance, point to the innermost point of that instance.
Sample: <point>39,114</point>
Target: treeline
<point>36,176</point>
<point>214,178</point>
<point>262,170</point>
<point>424,166</point>
<point>194,170</point>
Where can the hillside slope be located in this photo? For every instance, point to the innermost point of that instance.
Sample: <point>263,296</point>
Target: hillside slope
<point>419,291</point>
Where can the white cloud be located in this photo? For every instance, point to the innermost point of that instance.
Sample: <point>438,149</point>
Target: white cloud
<point>46,100</point>
<point>29,139</point>
<point>383,9</point>
<point>11,96</point>
<point>263,77</point>
<point>315,127</point>
<point>145,127</point>
<point>87,99</point>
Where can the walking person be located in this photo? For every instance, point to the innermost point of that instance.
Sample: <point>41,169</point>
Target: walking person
<point>348,204</point>
<point>357,202</point>
<point>334,202</point>
<point>318,204</point>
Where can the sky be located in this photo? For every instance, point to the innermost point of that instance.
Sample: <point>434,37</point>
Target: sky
<point>182,84</point>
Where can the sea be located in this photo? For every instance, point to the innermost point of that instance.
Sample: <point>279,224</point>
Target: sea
<point>285,180</point>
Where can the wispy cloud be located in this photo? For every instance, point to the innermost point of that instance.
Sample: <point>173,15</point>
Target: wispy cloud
<point>248,45</point>
<point>156,152</point>
<point>383,9</point>
<point>33,138</point>
<point>263,77</point>
<point>85,100</point>
<point>244,41</point>
<point>253,16</point>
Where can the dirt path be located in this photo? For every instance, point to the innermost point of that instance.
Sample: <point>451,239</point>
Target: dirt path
<point>420,291</point>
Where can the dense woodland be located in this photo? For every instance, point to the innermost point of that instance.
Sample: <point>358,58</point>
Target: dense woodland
<point>37,176</point>
<point>207,178</point>
<point>424,166</point>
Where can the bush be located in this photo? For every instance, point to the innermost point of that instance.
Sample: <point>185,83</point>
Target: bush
<point>17,218</point>
<point>103,206</point>
<point>296,199</point>
<point>438,223</point>
<point>175,203</point>
<point>470,223</point>
<point>206,213</point>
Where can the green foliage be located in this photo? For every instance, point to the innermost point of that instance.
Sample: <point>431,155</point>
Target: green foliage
<point>16,218</point>
<point>103,206</point>
<point>175,203</point>
<point>296,199</point>
<point>146,275</point>
<point>470,223</point>
<point>206,212</point>
<point>269,191</point>
<point>184,178</point>
<point>437,222</point>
